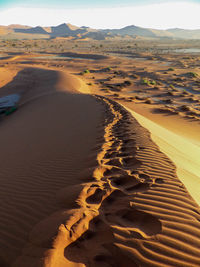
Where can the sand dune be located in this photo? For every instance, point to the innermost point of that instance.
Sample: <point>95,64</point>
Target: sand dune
<point>133,211</point>
<point>83,184</point>
<point>177,148</point>
<point>44,146</point>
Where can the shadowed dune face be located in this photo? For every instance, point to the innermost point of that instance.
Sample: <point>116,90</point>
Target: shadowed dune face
<point>44,146</point>
<point>33,82</point>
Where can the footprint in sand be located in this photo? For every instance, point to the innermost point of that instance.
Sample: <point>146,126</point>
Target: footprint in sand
<point>130,162</point>
<point>96,197</point>
<point>114,162</point>
<point>138,221</point>
<point>113,171</point>
<point>124,180</point>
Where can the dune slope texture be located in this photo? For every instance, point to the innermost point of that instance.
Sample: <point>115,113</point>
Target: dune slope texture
<point>83,184</point>
<point>144,215</point>
<point>44,146</point>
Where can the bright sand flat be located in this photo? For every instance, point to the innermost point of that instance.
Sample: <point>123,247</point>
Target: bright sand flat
<point>181,150</point>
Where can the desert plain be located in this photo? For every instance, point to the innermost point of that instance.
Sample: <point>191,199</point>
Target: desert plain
<point>100,162</point>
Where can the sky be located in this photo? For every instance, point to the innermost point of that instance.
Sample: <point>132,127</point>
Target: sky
<point>102,14</point>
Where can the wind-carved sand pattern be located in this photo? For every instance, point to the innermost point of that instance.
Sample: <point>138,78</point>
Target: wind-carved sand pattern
<point>133,210</point>
<point>145,215</point>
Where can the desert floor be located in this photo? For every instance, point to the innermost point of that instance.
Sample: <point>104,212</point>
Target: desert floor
<point>100,164</point>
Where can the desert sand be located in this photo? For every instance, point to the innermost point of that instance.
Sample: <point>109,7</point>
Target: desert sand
<point>95,173</point>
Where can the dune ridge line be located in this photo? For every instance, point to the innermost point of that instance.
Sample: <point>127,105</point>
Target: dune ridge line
<point>133,211</point>
<point>122,205</point>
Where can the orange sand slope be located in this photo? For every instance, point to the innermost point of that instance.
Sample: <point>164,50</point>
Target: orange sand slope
<point>84,185</point>
<point>44,146</point>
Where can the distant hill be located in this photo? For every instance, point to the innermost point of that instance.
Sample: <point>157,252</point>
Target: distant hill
<point>131,30</point>
<point>185,34</point>
<point>35,30</point>
<point>66,29</point>
<point>69,30</point>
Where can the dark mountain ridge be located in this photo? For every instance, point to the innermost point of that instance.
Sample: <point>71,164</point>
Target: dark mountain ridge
<point>67,30</point>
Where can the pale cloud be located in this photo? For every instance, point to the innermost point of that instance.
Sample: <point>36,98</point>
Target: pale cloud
<point>160,16</point>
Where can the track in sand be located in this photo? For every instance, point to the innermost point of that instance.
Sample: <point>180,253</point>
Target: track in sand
<point>126,208</point>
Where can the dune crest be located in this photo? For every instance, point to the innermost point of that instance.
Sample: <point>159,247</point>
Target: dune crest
<point>133,210</point>
<point>83,184</point>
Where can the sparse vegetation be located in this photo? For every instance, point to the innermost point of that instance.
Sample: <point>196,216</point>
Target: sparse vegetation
<point>145,81</point>
<point>148,82</point>
<point>86,71</point>
<point>107,69</point>
<point>192,74</point>
<point>153,82</point>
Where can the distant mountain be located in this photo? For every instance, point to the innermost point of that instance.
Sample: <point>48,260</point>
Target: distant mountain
<point>131,30</point>
<point>60,30</point>
<point>139,31</point>
<point>185,34</point>
<point>34,30</point>
<point>66,30</point>
<point>69,30</point>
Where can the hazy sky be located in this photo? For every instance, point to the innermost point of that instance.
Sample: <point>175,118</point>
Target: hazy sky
<point>102,13</point>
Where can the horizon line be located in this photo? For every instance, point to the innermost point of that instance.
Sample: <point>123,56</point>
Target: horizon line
<point>131,25</point>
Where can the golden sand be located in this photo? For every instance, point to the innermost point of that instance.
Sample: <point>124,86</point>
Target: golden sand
<point>83,183</point>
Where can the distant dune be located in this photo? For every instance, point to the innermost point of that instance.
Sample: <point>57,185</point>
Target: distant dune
<point>67,29</point>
